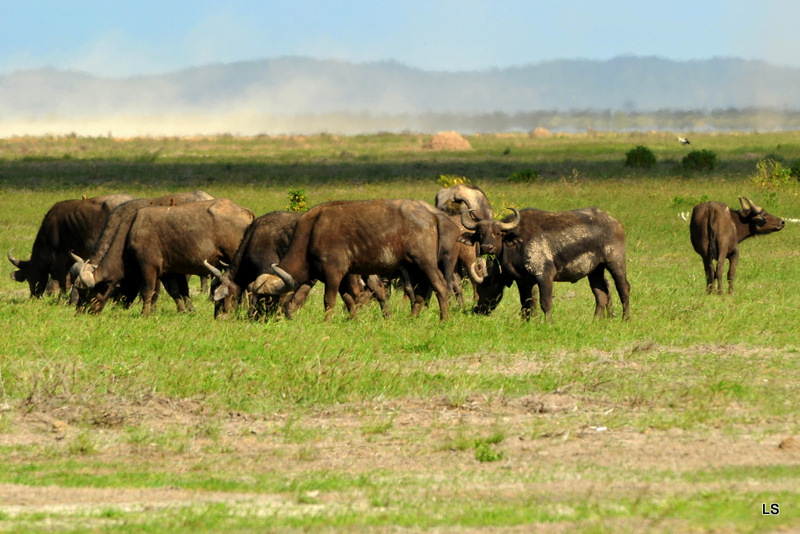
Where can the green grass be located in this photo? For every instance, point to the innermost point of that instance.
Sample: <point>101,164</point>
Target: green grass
<point>686,364</point>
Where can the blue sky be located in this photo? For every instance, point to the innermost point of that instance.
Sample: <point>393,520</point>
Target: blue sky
<point>125,38</point>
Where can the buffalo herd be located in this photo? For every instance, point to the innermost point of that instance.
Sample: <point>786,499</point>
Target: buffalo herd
<point>119,247</point>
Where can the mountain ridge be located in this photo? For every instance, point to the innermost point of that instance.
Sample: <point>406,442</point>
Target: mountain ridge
<point>270,94</point>
<point>296,85</point>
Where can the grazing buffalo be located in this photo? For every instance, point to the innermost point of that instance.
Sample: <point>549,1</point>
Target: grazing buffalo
<point>716,231</point>
<point>69,226</point>
<point>264,243</point>
<point>108,249</point>
<point>381,237</point>
<point>451,200</point>
<point>175,240</point>
<point>535,248</point>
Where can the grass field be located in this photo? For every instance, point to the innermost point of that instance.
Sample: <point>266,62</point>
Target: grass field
<point>682,419</point>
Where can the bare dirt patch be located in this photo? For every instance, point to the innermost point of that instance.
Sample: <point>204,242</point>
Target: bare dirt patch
<point>403,440</point>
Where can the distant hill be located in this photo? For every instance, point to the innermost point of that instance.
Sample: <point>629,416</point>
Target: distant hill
<point>288,87</point>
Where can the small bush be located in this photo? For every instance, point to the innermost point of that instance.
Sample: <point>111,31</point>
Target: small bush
<point>640,157</point>
<point>452,180</point>
<point>794,170</point>
<point>524,176</point>
<point>771,174</point>
<point>699,160</point>
<point>298,201</point>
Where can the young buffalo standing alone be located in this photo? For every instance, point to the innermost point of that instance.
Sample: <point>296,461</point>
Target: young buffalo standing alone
<point>716,231</point>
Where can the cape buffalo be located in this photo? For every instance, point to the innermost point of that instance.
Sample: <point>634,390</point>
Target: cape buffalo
<point>108,249</point>
<point>176,240</point>
<point>451,199</point>
<point>381,237</point>
<point>264,243</point>
<point>716,231</point>
<point>535,248</point>
<point>69,226</point>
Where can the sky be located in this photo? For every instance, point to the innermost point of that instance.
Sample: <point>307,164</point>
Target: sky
<point>115,38</point>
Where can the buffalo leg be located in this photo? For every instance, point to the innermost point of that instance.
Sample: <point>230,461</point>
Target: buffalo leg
<point>599,285</point>
<point>147,290</point>
<point>380,291</point>
<point>546,295</point>
<point>719,271</point>
<point>527,307</point>
<point>440,286</point>
<point>620,277</point>
<point>709,270</point>
<point>177,286</point>
<point>332,282</point>
<point>734,261</point>
<point>297,299</point>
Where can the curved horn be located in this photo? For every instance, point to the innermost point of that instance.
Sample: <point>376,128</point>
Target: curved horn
<point>12,259</point>
<point>756,209</point>
<point>473,270</point>
<point>513,223</point>
<point>268,285</point>
<point>468,219</point>
<point>76,257</point>
<point>87,275</point>
<point>745,203</point>
<point>287,278</point>
<point>213,270</point>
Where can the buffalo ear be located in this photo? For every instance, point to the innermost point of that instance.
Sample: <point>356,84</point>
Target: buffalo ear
<point>511,239</point>
<point>18,276</point>
<point>468,238</point>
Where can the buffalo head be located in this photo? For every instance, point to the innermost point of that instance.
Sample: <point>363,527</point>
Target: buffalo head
<point>27,271</point>
<point>84,269</point>
<point>488,232</point>
<point>273,284</point>
<point>759,221</point>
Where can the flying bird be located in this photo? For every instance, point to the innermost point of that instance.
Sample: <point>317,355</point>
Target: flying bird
<point>683,141</point>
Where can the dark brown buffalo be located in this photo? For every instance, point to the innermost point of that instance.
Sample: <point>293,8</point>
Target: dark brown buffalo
<point>367,237</point>
<point>535,248</point>
<point>716,231</point>
<point>451,200</point>
<point>176,240</point>
<point>69,226</point>
<point>265,243</point>
<point>108,249</point>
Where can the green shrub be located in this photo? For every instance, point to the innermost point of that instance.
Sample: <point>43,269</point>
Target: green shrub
<point>771,174</point>
<point>699,160</point>
<point>452,180</point>
<point>640,157</point>
<point>524,176</point>
<point>298,201</point>
<point>794,170</point>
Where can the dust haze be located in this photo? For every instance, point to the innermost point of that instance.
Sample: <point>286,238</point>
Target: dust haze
<point>306,96</point>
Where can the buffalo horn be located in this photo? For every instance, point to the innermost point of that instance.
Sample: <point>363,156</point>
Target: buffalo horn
<point>756,209</point>
<point>213,270</point>
<point>474,267</point>
<point>287,278</point>
<point>513,223</point>
<point>12,259</point>
<point>76,257</point>
<point>87,275</point>
<point>268,284</point>
<point>468,219</point>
